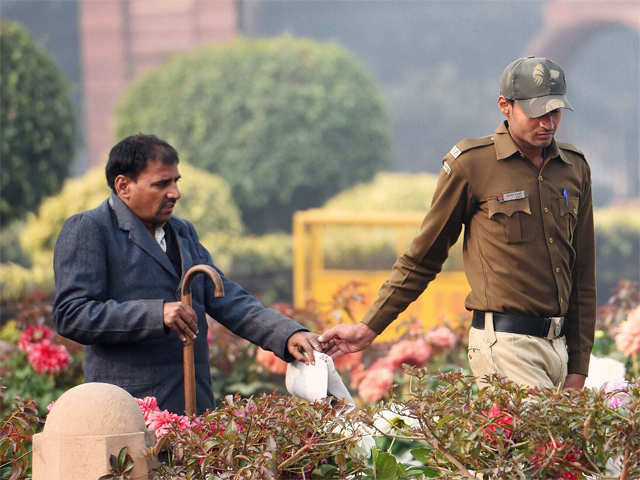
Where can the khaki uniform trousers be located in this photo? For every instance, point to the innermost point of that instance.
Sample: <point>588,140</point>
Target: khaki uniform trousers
<point>523,359</point>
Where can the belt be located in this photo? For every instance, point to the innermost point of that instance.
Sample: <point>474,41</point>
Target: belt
<point>545,327</point>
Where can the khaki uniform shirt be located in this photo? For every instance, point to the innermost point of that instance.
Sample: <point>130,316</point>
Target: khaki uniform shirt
<point>529,248</point>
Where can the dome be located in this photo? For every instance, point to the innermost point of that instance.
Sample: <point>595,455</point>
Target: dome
<point>95,409</point>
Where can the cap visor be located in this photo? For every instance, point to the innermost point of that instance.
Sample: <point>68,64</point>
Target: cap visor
<point>539,106</point>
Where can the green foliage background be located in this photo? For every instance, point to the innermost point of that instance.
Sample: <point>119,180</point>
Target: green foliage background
<point>617,247</point>
<point>37,133</point>
<point>287,122</point>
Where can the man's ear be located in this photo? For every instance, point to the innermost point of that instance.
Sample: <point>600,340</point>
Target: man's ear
<point>505,106</point>
<point>121,185</point>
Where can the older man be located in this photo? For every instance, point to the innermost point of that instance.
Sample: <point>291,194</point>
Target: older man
<point>118,270</point>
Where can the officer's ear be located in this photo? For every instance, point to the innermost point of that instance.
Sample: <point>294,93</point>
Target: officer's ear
<point>505,105</point>
<point>121,185</point>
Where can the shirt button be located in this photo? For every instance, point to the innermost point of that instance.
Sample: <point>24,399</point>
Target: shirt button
<point>557,269</point>
<point>551,241</point>
<point>546,209</point>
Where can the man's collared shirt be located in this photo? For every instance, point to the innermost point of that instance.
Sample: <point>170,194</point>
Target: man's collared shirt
<point>529,244</point>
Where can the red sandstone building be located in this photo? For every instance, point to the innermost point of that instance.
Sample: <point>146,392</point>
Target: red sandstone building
<point>122,38</point>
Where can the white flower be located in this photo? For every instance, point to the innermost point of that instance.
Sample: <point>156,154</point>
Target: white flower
<point>362,449</point>
<point>604,370</point>
<point>388,421</point>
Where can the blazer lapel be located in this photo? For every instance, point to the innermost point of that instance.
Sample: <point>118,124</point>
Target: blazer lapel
<point>181,238</point>
<point>139,234</point>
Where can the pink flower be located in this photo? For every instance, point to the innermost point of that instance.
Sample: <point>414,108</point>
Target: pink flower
<point>619,397</point>
<point>628,337</point>
<point>269,361</point>
<point>34,334</point>
<point>148,405</point>
<point>47,357</point>
<point>50,406</point>
<point>163,422</point>
<point>441,337</point>
<point>375,384</point>
<point>413,352</point>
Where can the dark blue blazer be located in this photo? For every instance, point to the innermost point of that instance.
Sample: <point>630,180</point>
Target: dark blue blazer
<point>112,279</point>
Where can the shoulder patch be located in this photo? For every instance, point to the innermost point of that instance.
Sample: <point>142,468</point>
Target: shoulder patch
<point>469,144</point>
<point>571,148</point>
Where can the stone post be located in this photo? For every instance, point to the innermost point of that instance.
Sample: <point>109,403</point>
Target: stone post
<point>87,425</point>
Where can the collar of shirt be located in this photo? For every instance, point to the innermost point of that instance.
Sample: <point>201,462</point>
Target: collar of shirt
<point>506,147</point>
<point>159,235</point>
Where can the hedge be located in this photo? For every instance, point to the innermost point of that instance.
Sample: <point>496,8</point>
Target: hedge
<point>287,122</point>
<point>37,134</point>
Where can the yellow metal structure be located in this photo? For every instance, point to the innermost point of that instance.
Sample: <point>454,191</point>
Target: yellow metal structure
<point>332,249</point>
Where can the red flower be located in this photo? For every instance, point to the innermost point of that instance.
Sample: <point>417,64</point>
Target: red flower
<point>272,363</point>
<point>502,421</point>
<point>34,334</point>
<point>48,357</point>
<point>558,460</point>
<point>413,352</point>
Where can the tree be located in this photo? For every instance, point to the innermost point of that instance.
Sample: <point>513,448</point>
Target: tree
<point>37,124</point>
<point>287,122</point>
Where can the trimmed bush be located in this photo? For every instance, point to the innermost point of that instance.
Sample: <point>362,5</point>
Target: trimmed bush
<point>371,248</point>
<point>36,143</point>
<point>388,192</point>
<point>286,122</point>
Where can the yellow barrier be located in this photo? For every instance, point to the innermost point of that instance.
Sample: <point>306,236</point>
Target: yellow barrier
<point>324,242</point>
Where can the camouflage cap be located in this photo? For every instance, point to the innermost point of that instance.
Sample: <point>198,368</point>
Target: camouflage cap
<point>537,85</point>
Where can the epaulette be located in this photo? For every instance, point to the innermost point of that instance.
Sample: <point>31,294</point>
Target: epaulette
<point>467,144</point>
<point>571,148</point>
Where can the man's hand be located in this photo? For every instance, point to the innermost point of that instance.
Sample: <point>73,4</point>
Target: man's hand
<point>301,346</point>
<point>574,381</point>
<point>345,338</point>
<point>181,318</point>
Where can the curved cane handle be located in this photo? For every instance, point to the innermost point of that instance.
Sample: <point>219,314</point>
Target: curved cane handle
<point>187,349</point>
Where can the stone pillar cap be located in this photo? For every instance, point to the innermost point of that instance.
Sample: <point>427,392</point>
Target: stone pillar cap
<point>95,409</point>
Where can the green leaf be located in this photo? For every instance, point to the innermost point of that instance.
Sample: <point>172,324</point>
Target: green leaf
<point>386,467</point>
<point>324,471</point>
<point>422,454</point>
<point>428,472</point>
<point>122,456</point>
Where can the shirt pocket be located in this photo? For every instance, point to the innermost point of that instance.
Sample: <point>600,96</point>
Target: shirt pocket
<point>568,216</point>
<point>513,215</point>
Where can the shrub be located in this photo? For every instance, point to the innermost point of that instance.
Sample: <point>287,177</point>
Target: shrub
<point>388,192</point>
<point>286,122</point>
<point>36,144</point>
<point>263,266</point>
<point>375,248</point>
<point>617,247</point>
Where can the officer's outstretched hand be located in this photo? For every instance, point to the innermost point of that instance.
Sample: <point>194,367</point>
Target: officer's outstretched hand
<point>301,346</point>
<point>345,338</point>
<point>181,318</point>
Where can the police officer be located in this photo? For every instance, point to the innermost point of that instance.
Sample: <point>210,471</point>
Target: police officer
<point>529,254</point>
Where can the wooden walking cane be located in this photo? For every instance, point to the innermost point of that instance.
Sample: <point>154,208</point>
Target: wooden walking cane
<point>187,349</point>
